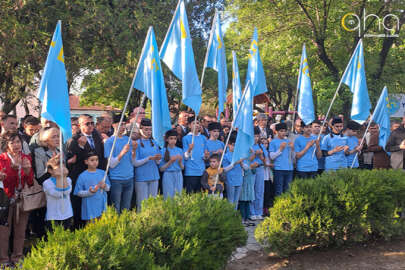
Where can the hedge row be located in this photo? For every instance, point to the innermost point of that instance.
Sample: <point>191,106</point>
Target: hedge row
<point>187,232</point>
<point>336,208</point>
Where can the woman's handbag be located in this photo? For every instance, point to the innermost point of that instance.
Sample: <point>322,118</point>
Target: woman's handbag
<point>33,197</point>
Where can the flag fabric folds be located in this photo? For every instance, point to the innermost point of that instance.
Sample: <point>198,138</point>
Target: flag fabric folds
<point>217,60</point>
<point>53,91</point>
<point>245,137</point>
<point>177,53</point>
<point>236,87</point>
<point>149,79</point>
<point>355,78</point>
<point>255,71</point>
<point>306,109</point>
<point>382,117</point>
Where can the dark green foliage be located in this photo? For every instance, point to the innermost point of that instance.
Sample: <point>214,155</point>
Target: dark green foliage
<point>197,232</point>
<point>187,232</point>
<point>334,209</point>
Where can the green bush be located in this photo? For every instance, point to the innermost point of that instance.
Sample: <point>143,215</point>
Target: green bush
<point>336,208</point>
<point>109,243</point>
<point>190,232</point>
<point>187,232</point>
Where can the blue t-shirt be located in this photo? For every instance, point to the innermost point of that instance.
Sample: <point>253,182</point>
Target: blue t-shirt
<point>352,142</point>
<point>194,165</point>
<point>337,160</point>
<point>148,171</point>
<point>256,147</point>
<point>213,146</point>
<point>234,177</point>
<point>284,161</point>
<point>174,167</point>
<point>95,205</point>
<point>321,161</point>
<point>308,162</point>
<point>124,170</point>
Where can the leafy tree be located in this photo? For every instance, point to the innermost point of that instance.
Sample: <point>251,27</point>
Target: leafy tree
<point>285,25</point>
<point>102,43</point>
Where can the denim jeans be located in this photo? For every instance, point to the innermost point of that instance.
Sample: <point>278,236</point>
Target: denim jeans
<point>172,183</point>
<point>282,180</point>
<point>121,193</point>
<point>233,193</point>
<point>256,207</point>
<point>144,190</point>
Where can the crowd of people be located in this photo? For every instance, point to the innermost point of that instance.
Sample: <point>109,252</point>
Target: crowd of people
<point>78,190</point>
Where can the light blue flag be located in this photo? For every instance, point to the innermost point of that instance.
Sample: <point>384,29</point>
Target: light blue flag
<point>53,91</point>
<point>355,78</point>
<point>217,61</point>
<point>149,79</point>
<point>382,117</point>
<point>236,87</point>
<point>245,137</point>
<point>177,53</point>
<point>305,102</point>
<point>255,73</point>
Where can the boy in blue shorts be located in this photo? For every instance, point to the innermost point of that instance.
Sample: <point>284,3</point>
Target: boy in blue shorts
<point>93,190</point>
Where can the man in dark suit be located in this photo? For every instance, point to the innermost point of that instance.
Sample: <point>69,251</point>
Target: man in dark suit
<point>77,149</point>
<point>182,128</point>
<point>204,126</point>
<point>265,131</point>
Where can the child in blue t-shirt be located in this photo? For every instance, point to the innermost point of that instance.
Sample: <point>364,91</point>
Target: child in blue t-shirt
<point>281,151</point>
<point>93,190</point>
<point>148,156</point>
<point>307,151</point>
<point>354,148</point>
<point>171,165</point>
<point>334,145</point>
<point>214,146</point>
<point>260,154</point>
<point>121,171</point>
<point>195,155</point>
<point>247,194</point>
<point>234,173</point>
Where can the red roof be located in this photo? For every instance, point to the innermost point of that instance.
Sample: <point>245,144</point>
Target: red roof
<point>260,99</point>
<point>74,102</point>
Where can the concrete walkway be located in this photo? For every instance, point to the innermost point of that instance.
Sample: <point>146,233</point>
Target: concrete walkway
<point>251,244</point>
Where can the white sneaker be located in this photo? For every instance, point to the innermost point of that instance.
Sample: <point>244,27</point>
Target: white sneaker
<point>260,217</point>
<point>253,217</point>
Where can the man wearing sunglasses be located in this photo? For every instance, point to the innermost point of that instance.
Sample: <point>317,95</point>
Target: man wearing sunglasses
<point>88,139</point>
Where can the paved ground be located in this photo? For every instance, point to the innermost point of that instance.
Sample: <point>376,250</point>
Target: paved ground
<point>251,244</point>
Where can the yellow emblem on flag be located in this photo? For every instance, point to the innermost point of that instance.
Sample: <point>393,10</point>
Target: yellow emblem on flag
<point>305,70</point>
<point>219,42</point>
<point>253,48</point>
<point>183,30</point>
<point>358,65</point>
<point>53,43</point>
<point>60,56</point>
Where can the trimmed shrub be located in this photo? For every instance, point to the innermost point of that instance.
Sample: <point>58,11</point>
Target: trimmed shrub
<point>108,243</point>
<point>336,208</point>
<point>190,232</point>
<point>186,232</point>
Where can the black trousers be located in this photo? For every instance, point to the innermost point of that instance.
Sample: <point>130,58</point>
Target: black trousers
<point>269,194</point>
<point>306,175</point>
<point>192,183</point>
